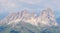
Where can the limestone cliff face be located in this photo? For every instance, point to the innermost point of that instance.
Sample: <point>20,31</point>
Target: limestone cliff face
<point>46,17</point>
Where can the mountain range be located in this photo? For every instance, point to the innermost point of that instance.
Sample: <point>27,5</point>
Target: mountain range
<point>26,22</point>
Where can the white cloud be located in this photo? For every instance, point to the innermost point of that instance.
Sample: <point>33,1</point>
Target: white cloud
<point>13,5</point>
<point>44,4</point>
<point>31,1</point>
<point>8,4</point>
<point>3,1</point>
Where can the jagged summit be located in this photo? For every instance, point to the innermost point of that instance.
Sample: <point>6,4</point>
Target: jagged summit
<point>46,17</point>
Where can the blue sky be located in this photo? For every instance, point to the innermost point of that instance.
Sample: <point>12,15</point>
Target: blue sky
<point>31,5</point>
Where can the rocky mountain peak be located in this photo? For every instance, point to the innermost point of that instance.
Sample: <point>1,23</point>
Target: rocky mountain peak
<point>46,17</point>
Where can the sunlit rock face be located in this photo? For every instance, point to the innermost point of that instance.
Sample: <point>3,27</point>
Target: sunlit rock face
<point>46,17</point>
